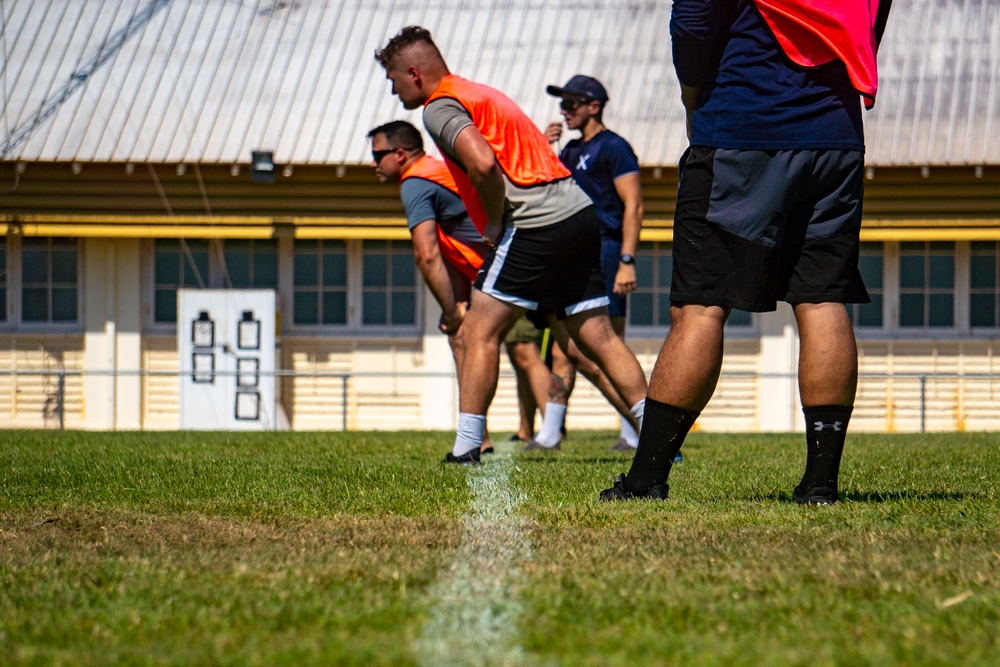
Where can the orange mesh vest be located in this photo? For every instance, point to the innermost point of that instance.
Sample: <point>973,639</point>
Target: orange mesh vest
<point>456,253</point>
<point>520,148</point>
<point>815,32</point>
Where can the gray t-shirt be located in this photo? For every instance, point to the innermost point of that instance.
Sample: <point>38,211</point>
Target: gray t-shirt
<point>534,206</point>
<point>426,200</point>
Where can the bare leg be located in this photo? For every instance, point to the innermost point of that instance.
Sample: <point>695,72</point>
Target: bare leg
<point>592,332</point>
<point>462,292</point>
<point>532,384</point>
<point>684,378</point>
<point>688,366</point>
<point>563,371</point>
<point>593,372</point>
<point>485,325</point>
<point>828,354</point>
<point>828,381</point>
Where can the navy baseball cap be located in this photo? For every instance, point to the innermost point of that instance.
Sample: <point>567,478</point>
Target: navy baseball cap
<point>580,86</point>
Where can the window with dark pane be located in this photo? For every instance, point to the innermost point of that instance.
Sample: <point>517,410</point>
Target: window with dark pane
<point>984,284</point>
<point>177,263</point>
<point>927,284</point>
<point>871,263</point>
<point>49,280</point>
<point>389,285</point>
<point>252,263</point>
<point>649,304</point>
<point>319,282</point>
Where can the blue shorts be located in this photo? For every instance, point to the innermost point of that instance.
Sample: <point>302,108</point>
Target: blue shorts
<point>611,254</point>
<point>753,227</point>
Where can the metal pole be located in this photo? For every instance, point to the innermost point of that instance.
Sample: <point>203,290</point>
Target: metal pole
<point>923,403</point>
<point>343,398</point>
<point>61,398</point>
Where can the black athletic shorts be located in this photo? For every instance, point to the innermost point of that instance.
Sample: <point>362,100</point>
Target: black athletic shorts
<point>558,264</point>
<point>754,227</point>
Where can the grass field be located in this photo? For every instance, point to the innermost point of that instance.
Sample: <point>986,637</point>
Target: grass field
<point>361,549</point>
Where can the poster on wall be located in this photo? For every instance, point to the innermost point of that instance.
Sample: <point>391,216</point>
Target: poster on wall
<point>226,348</point>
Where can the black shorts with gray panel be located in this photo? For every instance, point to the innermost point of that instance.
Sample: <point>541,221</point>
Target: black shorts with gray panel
<point>756,227</point>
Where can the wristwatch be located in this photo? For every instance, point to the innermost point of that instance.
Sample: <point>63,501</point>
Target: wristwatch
<point>627,259</point>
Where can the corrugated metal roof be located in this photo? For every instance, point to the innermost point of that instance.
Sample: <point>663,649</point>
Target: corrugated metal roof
<point>208,81</point>
<point>939,92</point>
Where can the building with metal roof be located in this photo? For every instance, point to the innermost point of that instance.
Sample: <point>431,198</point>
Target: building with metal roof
<point>126,139</point>
<point>207,82</point>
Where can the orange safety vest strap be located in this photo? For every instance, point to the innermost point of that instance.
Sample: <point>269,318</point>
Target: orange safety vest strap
<point>459,255</point>
<point>456,253</point>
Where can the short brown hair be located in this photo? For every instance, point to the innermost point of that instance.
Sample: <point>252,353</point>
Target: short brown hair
<point>400,133</point>
<point>409,35</point>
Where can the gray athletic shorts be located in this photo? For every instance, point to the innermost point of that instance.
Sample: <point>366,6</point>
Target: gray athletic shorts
<point>752,228</point>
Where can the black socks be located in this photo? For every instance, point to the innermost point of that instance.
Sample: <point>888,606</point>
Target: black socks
<point>664,428</point>
<point>826,429</point>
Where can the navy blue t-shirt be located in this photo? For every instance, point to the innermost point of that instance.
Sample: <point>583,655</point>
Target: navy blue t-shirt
<point>595,166</point>
<point>754,97</point>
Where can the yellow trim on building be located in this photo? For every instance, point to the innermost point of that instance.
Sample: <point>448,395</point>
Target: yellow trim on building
<point>394,229</point>
<point>222,227</point>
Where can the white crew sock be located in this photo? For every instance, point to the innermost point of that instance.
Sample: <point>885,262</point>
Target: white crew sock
<point>628,433</point>
<point>548,435</point>
<point>637,411</point>
<point>469,435</point>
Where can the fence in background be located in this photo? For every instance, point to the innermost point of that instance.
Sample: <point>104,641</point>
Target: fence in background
<point>908,400</point>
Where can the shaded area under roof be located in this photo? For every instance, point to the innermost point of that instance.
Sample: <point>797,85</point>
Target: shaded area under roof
<point>208,81</point>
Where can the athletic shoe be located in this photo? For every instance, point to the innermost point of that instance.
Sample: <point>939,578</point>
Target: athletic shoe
<point>817,495</point>
<point>488,450</point>
<point>470,458</point>
<point>622,446</point>
<point>516,438</point>
<point>618,492</point>
<point>534,445</point>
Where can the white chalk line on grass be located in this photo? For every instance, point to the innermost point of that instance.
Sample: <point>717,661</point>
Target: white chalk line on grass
<point>475,619</point>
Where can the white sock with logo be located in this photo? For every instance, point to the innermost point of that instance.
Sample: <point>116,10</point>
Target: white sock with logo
<point>548,435</point>
<point>469,435</point>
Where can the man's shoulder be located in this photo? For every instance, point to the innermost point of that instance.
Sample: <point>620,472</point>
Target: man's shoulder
<point>611,140</point>
<point>417,187</point>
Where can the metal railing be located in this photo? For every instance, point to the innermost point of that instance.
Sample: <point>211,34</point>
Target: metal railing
<point>345,379</point>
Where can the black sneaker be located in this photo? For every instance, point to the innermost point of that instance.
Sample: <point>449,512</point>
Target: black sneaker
<point>618,492</point>
<point>484,452</point>
<point>470,458</point>
<point>534,445</point>
<point>516,438</point>
<point>817,495</point>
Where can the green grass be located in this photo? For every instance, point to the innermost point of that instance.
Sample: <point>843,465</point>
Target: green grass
<point>288,549</point>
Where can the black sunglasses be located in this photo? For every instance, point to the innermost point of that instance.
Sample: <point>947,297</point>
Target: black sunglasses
<point>569,105</point>
<point>378,156</point>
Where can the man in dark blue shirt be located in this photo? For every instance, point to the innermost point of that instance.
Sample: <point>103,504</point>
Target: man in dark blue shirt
<point>768,209</point>
<point>606,167</point>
